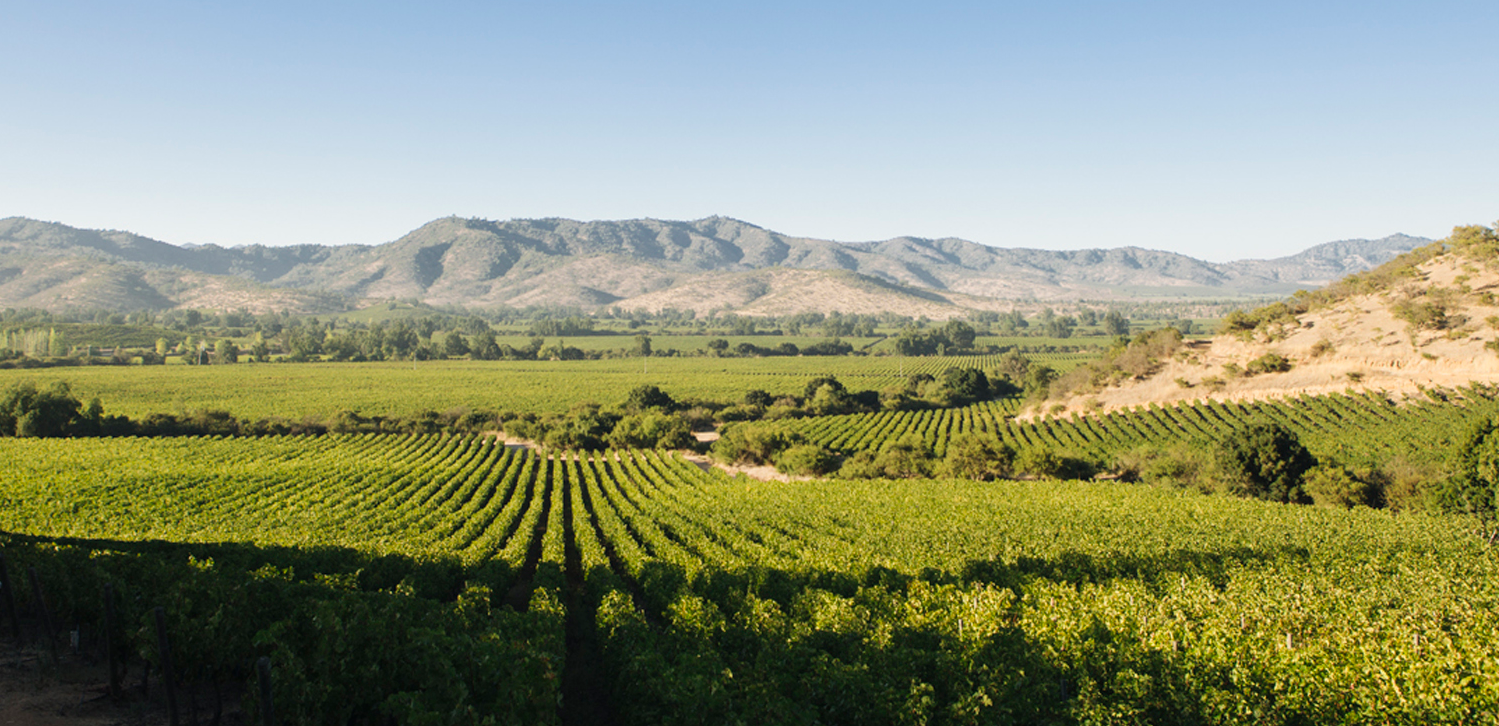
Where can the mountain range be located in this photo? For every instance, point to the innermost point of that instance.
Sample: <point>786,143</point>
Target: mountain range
<point>707,264</point>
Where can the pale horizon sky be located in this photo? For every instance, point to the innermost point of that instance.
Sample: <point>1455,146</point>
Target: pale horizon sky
<point>1222,131</point>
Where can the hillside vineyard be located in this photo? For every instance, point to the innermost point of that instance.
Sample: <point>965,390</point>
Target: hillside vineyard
<point>449,578</point>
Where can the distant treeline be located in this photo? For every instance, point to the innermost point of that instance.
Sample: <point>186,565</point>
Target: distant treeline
<point>422,332</point>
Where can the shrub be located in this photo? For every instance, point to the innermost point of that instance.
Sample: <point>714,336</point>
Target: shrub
<point>1331,485</point>
<point>975,456</point>
<point>1246,324</point>
<point>1265,461</point>
<point>651,430</point>
<point>1047,464</point>
<point>1410,486</point>
<point>740,443</point>
<point>1268,363</point>
<point>646,397</point>
<point>906,458</point>
<point>1184,466</point>
<point>806,460</point>
<point>861,466</point>
<point>1425,315</point>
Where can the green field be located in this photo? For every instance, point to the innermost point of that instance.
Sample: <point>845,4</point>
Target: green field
<point>499,584</point>
<point>298,390</point>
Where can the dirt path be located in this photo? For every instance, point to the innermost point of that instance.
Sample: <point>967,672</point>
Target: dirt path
<point>73,693</point>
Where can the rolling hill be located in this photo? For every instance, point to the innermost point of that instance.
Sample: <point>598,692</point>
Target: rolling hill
<point>713,263</point>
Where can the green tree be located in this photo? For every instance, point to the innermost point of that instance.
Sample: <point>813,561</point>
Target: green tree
<point>454,346</point>
<point>1331,485</point>
<point>642,398</point>
<point>1014,366</point>
<point>643,345</point>
<point>1115,324</point>
<point>26,411</point>
<point>484,346</point>
<point>752,444</point>
<point>817,383</point>
<point>1266,461</point>
<point>962,386</point>
<point>260,351</point>
<point>828,399</point>
<point>959,334</point>
<point>225,351</point>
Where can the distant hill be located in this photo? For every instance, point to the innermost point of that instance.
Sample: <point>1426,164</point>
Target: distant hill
<point>704,264</point>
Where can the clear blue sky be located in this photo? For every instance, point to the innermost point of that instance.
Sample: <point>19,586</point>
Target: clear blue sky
<point>1221,130</point>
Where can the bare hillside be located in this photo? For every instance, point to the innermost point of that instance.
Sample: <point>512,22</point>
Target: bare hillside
<point>1427,320</point>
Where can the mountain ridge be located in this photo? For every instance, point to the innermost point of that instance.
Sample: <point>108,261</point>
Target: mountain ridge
<point>552,261</point>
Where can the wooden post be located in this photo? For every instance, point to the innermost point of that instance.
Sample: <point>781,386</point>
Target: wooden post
<point>168,677</point>
<point>9,601</point>
<point>41,609</point>
<point>109,640</point>
<point>263,672</point>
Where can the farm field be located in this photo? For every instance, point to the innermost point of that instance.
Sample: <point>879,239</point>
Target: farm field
<point>457,579</point>
<point>296,390</point>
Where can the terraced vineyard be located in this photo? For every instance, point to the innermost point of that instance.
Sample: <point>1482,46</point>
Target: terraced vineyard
<point>440,578</point>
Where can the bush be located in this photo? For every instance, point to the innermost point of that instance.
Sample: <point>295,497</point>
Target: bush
<point>1184,466</point>
<point>907,458</point>
<point>806,460</point>
<point>1268,363</point>
<point>749,444</point>
<point>1044,463</point>
<point>1410,486</point>
<point>1265,461</point>
<point>651,430</point>
<point>1424,315</point>
<point>1331,485</point>
<point>862,465</point>
<point>975,456</point>
<point>1245,325</point>
<point>647,397</point>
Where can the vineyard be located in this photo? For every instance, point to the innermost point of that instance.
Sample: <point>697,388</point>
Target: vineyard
<point>452,579</point>
<point>1361,428</point>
